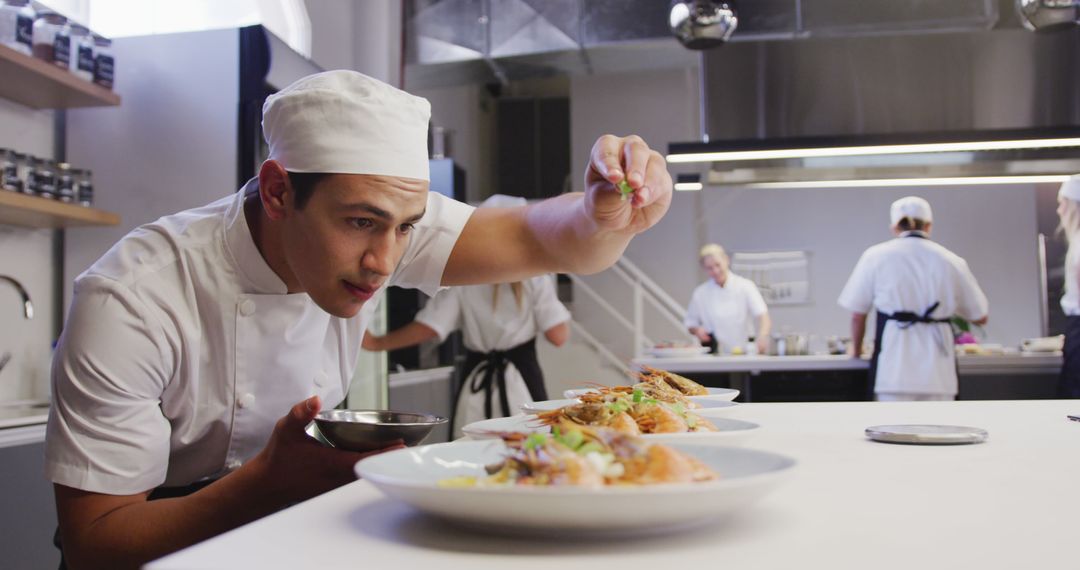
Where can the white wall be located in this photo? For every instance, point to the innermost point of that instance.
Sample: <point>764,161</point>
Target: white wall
<point>26,254</point>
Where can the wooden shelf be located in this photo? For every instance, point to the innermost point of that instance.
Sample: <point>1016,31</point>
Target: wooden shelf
<point>36,212</point>
<point>42,85</point>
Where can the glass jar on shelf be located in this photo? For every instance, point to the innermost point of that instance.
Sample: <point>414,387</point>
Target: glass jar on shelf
<point>84,186</point>
<point>47,27</point>
<point>17,25</point>
<point>104,62</point>
<point>82,52</point>
<point>9,170</point>
<point>65,183</point>
<point>42,178</point>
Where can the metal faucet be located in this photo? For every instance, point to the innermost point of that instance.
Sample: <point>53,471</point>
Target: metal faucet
<point>28,307</point>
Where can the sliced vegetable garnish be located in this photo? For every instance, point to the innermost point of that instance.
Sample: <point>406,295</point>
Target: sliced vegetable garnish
<point>535,440</point>
<point>624,188</point>
<point>638,395</point>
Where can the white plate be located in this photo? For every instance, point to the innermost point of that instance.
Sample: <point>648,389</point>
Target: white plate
<point>411,476</point>
<point>722,394</point>
<point>677,352</point>
<point>708,408</point>
<point>732,432</point>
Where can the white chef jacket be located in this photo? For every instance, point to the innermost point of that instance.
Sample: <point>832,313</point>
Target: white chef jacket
<point>1070,300</point>
<point>727,312</point>
<point>911,274</point>
<point>183,348</point>
<point>487,328</point>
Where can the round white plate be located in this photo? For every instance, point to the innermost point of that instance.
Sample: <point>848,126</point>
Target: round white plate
<point>927,434</point>
<point>411,476</point>
<point>732,432</point>
<point>678,352</point>
<point>722,394</point>
<point>708,408</point>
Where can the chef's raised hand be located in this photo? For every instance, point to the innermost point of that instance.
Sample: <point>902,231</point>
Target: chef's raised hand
<point>296,466</point>
<point>614,160</point>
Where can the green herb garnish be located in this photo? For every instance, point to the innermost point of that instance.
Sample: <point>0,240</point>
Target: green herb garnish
<point>638,395</point>
<point>535,440</point>
<point>624,188</point>
<point>618,406</point>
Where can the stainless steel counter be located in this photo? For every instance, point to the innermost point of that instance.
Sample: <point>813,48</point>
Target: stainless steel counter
<point>1013,363</point>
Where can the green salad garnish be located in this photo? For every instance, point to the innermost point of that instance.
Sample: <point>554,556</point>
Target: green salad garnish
<point>624,188</point>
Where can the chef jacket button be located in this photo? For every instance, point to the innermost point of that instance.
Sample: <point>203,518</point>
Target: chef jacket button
<point>321,378</point>
<point>246,400</point>
<point>247,307</point>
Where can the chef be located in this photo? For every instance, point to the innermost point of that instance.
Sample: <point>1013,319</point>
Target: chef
<point>916,286</point>
<point>722,309</point>
<point>199,346</point>
<point>1069,214</point>
<point>499,325</point>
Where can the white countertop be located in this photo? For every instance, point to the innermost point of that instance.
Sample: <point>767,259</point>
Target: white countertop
<point>1042,362</point>
<point>851,503</point>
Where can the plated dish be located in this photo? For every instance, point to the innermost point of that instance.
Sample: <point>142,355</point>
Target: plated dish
<point>728,431</point>
<point>424,478</point>
<point>720,394</point>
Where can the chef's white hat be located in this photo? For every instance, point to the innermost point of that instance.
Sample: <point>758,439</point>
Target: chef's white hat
<point>345,122</point>
<point>503,201</point>
<point>912,207</point>
<point>1071,188</point>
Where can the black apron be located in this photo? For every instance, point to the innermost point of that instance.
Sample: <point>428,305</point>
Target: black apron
<point>490,375</point>
<point>1069,383</point>
<point>906,319</point>
<point>159,493</point>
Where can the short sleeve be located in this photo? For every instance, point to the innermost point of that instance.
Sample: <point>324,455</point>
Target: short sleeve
<point>693,311</point>
<point>858,295</point>
<point>754,301</point>
<point>106,431</point>
<point>442,313</point>
<point>433,238</point>
<point>548,311</point>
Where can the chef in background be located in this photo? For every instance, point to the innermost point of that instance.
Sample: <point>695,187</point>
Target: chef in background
<point>723,308</point>
<point>1069,212</point>
<point>499,325</point>
<point>916,286</point>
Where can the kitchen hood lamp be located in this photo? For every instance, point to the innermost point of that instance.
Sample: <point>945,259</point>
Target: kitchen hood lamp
<point>703,24</point>
<point>688,182</point>
<point>814,147</point>
<point>907,182</point>
<point>1048,15</point>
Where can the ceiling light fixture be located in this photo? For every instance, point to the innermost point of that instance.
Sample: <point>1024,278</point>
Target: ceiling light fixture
<point>958,181</point>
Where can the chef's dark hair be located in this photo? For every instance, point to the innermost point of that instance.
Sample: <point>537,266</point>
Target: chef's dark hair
<point>907,224</point>
<point>304,184</point>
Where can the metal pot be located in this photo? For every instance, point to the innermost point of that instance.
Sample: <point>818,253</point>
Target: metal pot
<point>789,344</point>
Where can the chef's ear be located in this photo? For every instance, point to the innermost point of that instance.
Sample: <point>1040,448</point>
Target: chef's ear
<point>274,189</point>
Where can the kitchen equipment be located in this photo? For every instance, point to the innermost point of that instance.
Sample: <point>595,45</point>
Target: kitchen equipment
<point>367,430</point>
<point>927,434</point>
<point>412,476</point>
<point>789,344</point>
<point>1043,344</point>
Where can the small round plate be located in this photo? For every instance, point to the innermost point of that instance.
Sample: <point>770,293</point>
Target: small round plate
<point>927,434</point>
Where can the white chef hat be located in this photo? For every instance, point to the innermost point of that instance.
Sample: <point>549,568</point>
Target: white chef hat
<point>912,207</point>
<point>345,122</point>
<point>503,201</point>
<point>1071,188</point>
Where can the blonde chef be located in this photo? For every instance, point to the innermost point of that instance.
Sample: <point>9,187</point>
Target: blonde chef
<point>916,286</point>
<point>199,347</point>
<point>500,324</point>
<point>1069,212</point>
<point>722,309</point>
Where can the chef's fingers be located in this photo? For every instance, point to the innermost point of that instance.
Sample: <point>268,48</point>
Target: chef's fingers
<point>300,415</point>
<point>604,159</point>
<point>636,160</point>
<point>657,181</point>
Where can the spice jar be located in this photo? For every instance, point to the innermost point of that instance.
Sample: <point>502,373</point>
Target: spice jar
<point>47,27</point>
<point>17,25</point>
<point>84,187</point>
<point>82,52</point>
<point>65,183</point>
<point>41,179</point>
<point>9,170</point>
<point>104,64</point>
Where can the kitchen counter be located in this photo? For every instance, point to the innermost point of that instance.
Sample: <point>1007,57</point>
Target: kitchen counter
<point>1024,362</point>
<point>850,503</point>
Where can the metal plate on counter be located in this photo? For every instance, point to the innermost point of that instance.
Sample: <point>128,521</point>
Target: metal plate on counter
<point>927,434</point>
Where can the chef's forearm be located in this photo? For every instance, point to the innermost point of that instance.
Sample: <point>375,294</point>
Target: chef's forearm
<point>858,330</point>
<point>764,325</point>
<point>409,335</point>
<point>557,235</point>
<point>140,531</point>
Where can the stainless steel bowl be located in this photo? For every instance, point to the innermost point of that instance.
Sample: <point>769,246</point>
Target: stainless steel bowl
<point>368,430</point>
